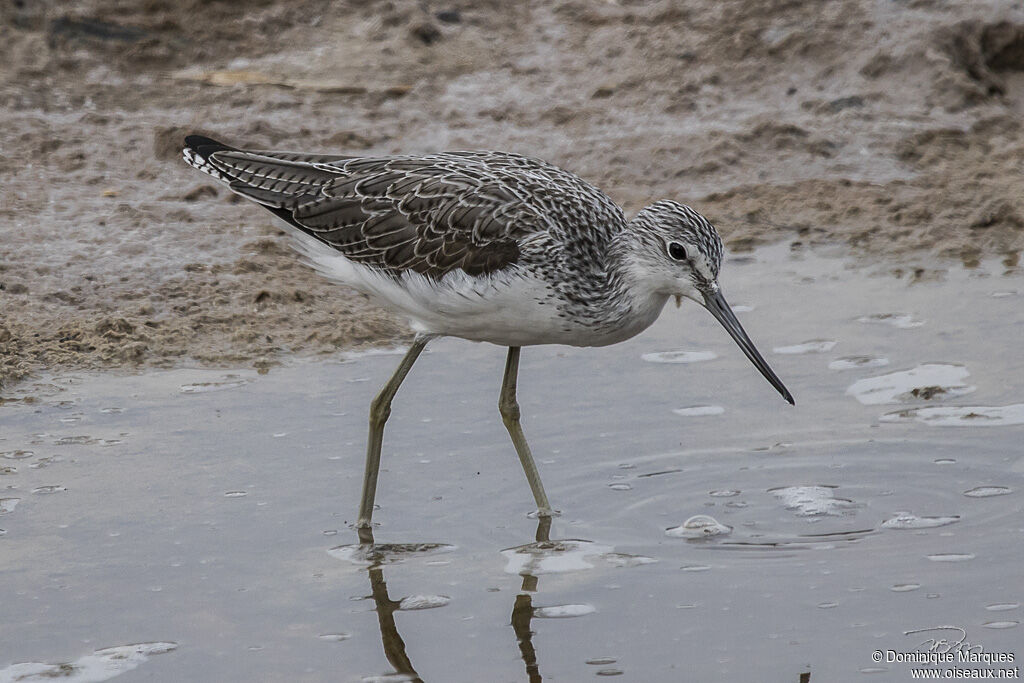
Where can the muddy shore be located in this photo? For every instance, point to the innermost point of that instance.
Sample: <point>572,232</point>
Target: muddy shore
<point>892,129</point>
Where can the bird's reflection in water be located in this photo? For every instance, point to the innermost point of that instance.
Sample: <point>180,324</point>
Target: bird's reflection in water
<point>522,611</point>
<point>394,647</point>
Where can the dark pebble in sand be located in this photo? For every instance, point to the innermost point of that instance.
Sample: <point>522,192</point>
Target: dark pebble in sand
<point>449,16</point>
<point>427,33</point>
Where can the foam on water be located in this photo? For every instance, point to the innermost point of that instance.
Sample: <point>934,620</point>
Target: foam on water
<point>699,411</point>
<point>627,560</point>
<point>563,611</point>
<point>385,553</point>
<point>903,321</point>
<point>1001,624</point>
<point>854,362</point>
<point>101,665</point>
<point>699,526</point>
<point>924,382</point>
<point>679,356</point>
<point>905,520</point>
<point>951,557</point>
<point>393,677</point>
<point>207,387</point>
<point>417,602</point>
<point>553,557</point>
<point>813,501</point>
<point>377,351</point>
<point>812,346</point>
<point>334,637</point>
<point>987,491</point>
<point>961,416</point>
<point>601,661</point>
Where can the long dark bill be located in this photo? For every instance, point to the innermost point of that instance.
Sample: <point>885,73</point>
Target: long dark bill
<point>717,305</point>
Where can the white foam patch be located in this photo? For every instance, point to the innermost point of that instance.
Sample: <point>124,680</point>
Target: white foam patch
<point>206,387</point>
<point>393,677</point>
<point>555,557</point>
<point>7,505</point>
<point>1002,606</point>
<point>679,356</point>
<point>951,557</point>
<point>1001,624</point>
<point>627,560</point>
<point>853,362</point>
<point>813,501</point>
<point>927,381</point>
<point>101,665</point>
<point>415,602</point>
<point>563,611</point>
<point>906,520</point>
<point>812,346</point>
<point>377,351</point>
<point>699,411</point>
<point>366,555</point>
<point>988,491</point>
<point>961,416</point>
<point>903,321</point>
<point>905,587</point>
<point>699,526</point>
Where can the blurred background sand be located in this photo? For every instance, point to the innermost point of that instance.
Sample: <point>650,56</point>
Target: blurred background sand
<point>891,128</point>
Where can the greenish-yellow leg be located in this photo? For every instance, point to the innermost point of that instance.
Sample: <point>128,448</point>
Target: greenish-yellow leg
<point>510,415</point>
<point>380,409</point>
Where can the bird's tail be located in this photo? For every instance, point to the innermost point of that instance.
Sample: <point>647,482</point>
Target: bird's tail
<point>277,180</point>
<point>197,151</point>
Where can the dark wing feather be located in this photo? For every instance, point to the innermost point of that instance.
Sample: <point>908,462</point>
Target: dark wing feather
<point>431,215</point>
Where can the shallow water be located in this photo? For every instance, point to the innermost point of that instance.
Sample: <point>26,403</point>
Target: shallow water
<point>198,519</point>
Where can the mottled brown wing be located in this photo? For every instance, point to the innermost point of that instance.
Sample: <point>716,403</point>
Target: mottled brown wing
<point>430,215</point>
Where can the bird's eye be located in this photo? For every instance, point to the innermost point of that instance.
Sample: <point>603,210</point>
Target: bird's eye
<point>677,251</point>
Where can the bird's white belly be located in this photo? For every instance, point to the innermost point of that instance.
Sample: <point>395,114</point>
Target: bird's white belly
<point>511,308</point>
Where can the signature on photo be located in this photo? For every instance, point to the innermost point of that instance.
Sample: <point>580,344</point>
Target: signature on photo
<point>945,639</point>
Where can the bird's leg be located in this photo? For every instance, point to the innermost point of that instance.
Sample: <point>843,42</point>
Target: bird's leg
<point>380,409</point>
<point>510,416</point>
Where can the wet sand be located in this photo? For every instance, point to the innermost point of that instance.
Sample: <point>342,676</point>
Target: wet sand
<point>204,513</point>
<point>891,128</point>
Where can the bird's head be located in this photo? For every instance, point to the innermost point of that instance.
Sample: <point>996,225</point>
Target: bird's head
<point>677,252</point>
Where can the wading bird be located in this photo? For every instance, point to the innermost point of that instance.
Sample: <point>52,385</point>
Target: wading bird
<point>486,246</point>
